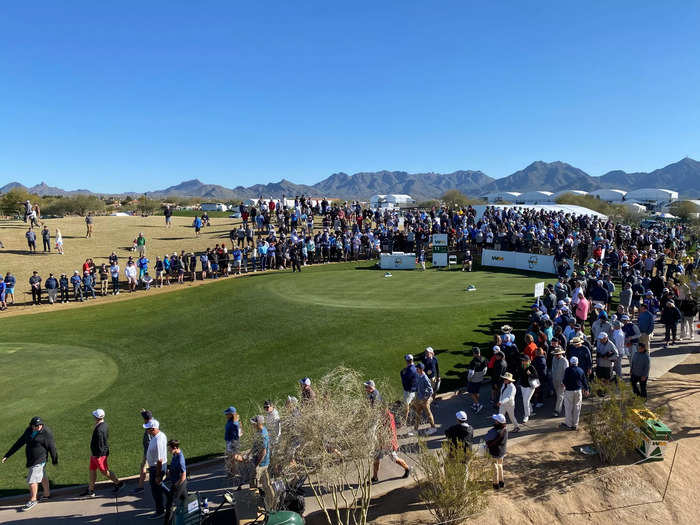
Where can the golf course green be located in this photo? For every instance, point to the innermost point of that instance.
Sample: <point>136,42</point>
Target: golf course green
<point>188,354</point>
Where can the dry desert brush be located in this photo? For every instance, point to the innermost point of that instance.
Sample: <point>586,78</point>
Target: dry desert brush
<point>452,482</point>
<point>333,440</point>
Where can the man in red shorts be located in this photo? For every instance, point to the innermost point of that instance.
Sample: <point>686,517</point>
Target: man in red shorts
<point>99,450</point>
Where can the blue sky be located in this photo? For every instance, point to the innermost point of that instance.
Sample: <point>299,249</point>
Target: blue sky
<point>136,96</point>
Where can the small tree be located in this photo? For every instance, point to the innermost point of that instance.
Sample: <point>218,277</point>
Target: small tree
<point>452,482</point>
<point>611,424</point>
<point>685,210</point>
<point>333,440</point>
<point>455,199</point>
<point>147,206</point>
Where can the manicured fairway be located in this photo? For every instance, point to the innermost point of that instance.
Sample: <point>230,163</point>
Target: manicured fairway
<point>189,354</point>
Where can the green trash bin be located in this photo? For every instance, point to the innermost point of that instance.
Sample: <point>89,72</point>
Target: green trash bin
<point>654,439</point>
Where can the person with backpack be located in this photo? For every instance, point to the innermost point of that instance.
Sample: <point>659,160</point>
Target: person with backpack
<point>496,440</point>
<point>39,445</point>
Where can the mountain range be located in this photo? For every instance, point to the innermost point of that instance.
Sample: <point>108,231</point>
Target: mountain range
<point>682,176</point>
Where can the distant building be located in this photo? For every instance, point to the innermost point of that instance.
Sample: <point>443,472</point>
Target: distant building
<point>213,206</point>
<point>609,195</point>
<point>501,196</point>
<point>653,197</point>
<point>535,197</point>
<point>392,200</point>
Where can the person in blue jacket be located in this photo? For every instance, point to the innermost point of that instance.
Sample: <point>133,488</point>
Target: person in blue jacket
<point>77,283</point>
<point>409,377</point>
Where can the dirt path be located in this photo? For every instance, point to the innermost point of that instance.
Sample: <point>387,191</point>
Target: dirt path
<point>549,482</point>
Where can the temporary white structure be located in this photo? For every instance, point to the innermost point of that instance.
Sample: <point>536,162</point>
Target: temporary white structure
<point>501,196</point>
<point>609,195</point>
<point>535,197</point>
<point>566,208</point>
<point>213,206</point>
<point>634,206</point>
<point>390,200</point>
<point>565,192</point>
<point>653,195</point>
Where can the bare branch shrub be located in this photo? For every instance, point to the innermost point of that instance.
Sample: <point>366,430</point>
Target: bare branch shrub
<point>333,441</point>
<point>452,482</point>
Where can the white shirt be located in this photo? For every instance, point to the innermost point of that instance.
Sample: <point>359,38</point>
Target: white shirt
<point>507,394</point>
<point>157,450</point>
<point>618,337</point>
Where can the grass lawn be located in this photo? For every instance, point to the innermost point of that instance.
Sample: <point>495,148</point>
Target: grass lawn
<point>189,354</point>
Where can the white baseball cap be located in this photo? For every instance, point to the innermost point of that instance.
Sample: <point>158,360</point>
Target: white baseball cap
<point>602,335</point>
<point>430,350</point>
<point>98,413</point>
<point>499,418</point>
<point>574,361</point>
<point>153,423</point>
<point>461,415</point>
<point>305,381</point>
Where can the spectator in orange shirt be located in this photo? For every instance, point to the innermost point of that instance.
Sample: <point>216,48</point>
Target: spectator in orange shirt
<point>530,347</point>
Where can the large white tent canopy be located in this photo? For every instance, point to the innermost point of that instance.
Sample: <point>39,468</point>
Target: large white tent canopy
<point>566,208</point>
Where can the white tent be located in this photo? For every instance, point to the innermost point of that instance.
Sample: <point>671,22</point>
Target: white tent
<point>635,206</point>
<point>566,208</point>
<point>535,197</point>
<point>652,195</point>
<point>570,192</point>
<point>609,195</point>
<point>390,200</point>
<point>501,196</point>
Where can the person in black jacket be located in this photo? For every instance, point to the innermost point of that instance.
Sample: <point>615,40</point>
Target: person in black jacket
<point>461,433</point>
<point>496,440</point>
<point>99,450</point>
<point>39,444</point>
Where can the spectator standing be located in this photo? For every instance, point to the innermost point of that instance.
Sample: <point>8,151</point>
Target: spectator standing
<point>197,225</point>
<point>77,283</point>
<point>260,457</point>
<point>51,286</point>
<point>147,416</point>
<point>88,225</point>
<point>31,240</point>
<point>409,378</point>
<point>639,370</point>
<point>506,401</point>
<point>559,366</point>
<point>59,242</point>
<point>526,376</point>
<point>273,422</point>
<point>576,385</point>
<point>46,238</point>
<point>421,403</point>
<point>461,434</point>
<point>646,325</point>
<point>670,317</point>
<point>168,213</point>
<point>63,284</point>
<point>477,370</point>
<point>3,287</point>
<point>496,440</point>
<point>35,285</point>
<point>104,276</point>
<point>114,274</point>
<point>432,368</point>
<point>157,459</point>
<point>141,245</point>
<point>89,284</point>
<point>307,393</point>
<point>232,439</point>
<point>39,445</point>
<point>689,308</point>
<point>10,282</point>
<point>131,273</point>
<point>177,477</point>
<point>99,451</point>
<point>606,355</point>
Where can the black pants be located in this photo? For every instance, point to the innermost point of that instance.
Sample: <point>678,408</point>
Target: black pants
<point>671,332</point>
<point>174,497</point>
<point>64,295</point>
<point>36,295</point>
<point>115,284</point>
<point>295,265</point>
<point>156,489</point>
<point>639,386</point>
<point>47,245</point>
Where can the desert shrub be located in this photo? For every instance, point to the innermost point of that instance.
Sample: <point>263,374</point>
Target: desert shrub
<point>611,424</point>
<point>452,482</point>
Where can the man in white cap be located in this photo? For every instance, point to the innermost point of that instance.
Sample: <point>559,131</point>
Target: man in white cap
<point>461,433</point>
<point>559,366</point>
<point>157,459</point>
<point>307,393</point>
<point>506,401</point>
<point>632,335</point>
<point>99,450</point>
<point>576,385</point>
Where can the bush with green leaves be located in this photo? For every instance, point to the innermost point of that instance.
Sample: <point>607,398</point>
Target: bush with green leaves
<point>612,424</point>
<point>452,482</point>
